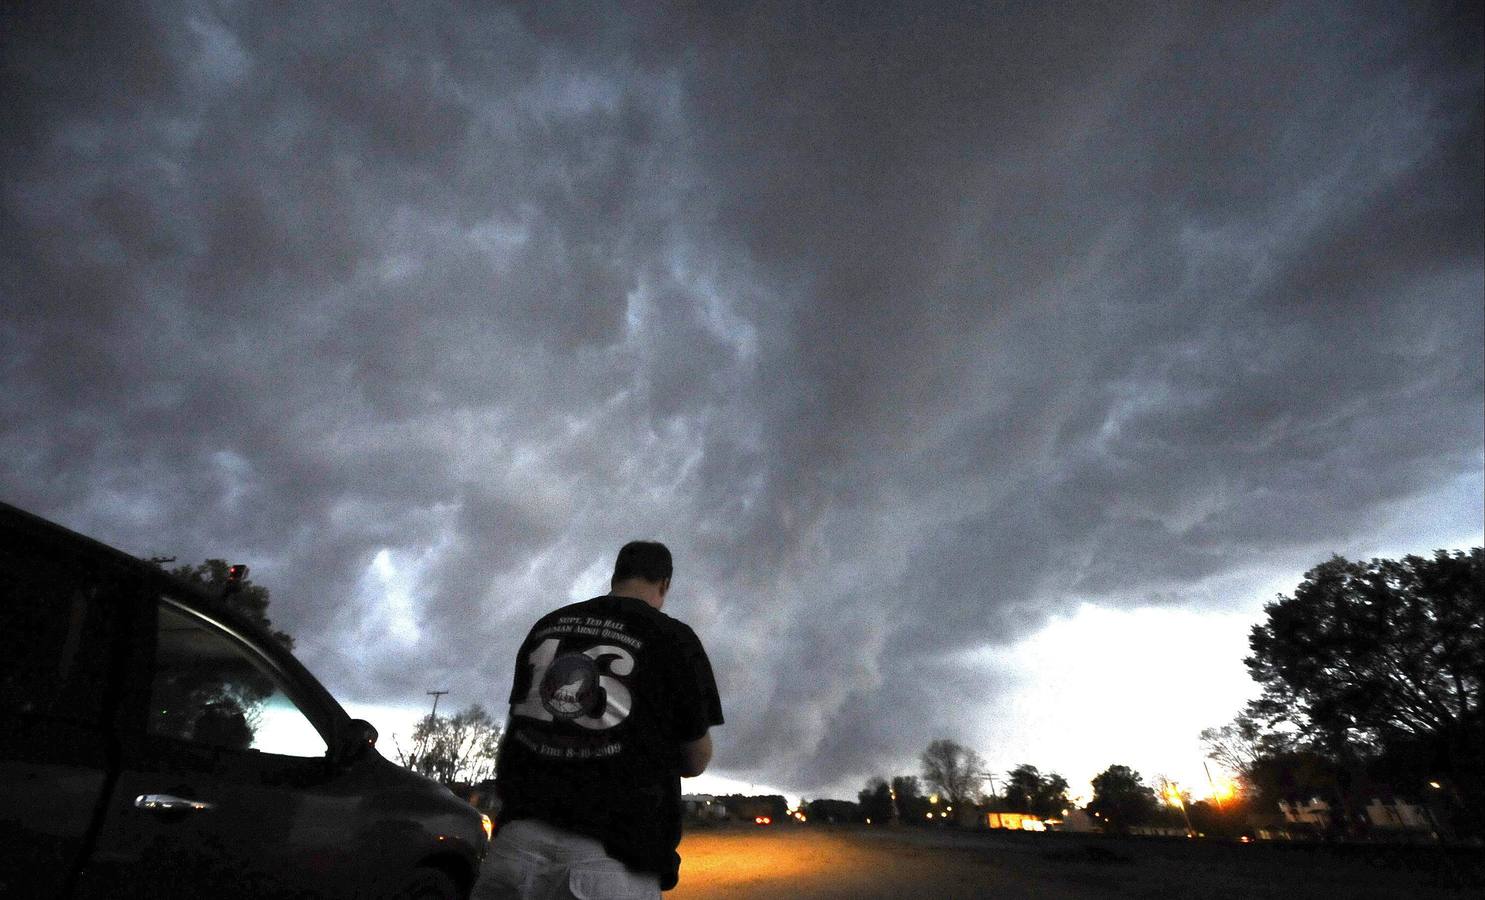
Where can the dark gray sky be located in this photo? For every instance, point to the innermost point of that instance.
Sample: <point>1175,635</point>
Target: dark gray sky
<point>918,333</point>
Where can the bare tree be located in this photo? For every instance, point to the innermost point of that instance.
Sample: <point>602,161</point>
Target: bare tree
<point>458,748</point>
<point>1240,744</point>
<point>953,770</point>
<point>1169,792</point>
<point>1172,797</point>
<point>1234,746</point>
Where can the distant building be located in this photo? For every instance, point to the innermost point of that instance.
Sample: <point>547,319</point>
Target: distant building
<point>1316,813</point>
<point>1399,814</point>
<point>703,806</point>
<point>1079,821</point>
<point>1014,821</point>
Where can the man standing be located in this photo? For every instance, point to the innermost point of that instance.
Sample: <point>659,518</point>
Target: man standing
<point>611,707</point>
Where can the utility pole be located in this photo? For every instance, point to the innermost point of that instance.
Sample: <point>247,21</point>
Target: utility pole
<point>1216,794</point>
<point>436,695</point>
<point>989,776</point>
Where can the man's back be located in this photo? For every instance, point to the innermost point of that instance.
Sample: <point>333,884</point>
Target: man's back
<point>605,695</point>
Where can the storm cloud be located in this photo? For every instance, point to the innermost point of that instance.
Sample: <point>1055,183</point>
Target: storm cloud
<point>908,329</point>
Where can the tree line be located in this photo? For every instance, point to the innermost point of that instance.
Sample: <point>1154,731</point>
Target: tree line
<point>952,777</point>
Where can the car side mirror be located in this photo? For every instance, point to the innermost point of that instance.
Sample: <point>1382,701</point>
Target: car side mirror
<point>358,737</point>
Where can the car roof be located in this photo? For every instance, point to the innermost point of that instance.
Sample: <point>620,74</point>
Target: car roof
<point>13,517</point>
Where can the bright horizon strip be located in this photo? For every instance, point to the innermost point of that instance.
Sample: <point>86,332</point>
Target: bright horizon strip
<point>1133,687</point>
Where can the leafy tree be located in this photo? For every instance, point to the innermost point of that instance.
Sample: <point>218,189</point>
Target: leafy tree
<point>906,787</point>
<point>953,770</point>
<point>1053,799</point>
<point>461,748</point>
<point>1121,798</point>
<point>908,799</point>
<point>1297,776</point>
<point>1381,665</point>
<point>1021,786</point>
<point>247,598</point>
<point>1027,790</point>
<point>875,801</point>
<point>775,806</point>
<point>825,811</point>
<point>1364,652</point>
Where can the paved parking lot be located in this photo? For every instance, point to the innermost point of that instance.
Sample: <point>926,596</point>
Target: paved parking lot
<point>861,862</point>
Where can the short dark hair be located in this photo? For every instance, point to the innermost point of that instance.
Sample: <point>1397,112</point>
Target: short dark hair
<point>649,560</point>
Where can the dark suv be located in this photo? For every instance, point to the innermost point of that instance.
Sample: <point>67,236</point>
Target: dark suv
<point>153,743</point>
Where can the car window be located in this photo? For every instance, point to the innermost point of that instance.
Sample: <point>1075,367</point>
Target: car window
<point>207,688</point>
<point>57,624</point>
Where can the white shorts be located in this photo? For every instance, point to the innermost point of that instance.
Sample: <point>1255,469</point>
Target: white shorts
<point>532,860</point>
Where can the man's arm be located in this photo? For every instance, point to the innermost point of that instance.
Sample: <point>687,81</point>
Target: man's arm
<point>695,755</point>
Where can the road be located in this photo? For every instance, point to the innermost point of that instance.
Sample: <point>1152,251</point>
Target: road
<point>863,863</point>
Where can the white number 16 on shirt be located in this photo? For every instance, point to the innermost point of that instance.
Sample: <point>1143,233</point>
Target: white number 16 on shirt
<point>563,688</point>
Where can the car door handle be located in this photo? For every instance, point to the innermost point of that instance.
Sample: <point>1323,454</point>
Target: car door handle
<point>169,803</point>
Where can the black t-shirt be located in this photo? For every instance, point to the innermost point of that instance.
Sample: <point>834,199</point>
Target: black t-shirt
<point>605,693</point>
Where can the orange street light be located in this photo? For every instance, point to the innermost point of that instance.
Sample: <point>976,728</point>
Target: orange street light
<point>1173,792</point>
